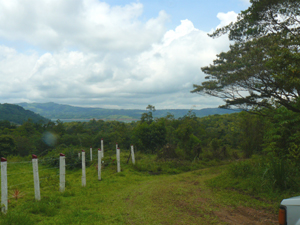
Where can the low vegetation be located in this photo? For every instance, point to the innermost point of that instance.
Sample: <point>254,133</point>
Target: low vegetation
<point>134,196</point>
<point>243,162</point>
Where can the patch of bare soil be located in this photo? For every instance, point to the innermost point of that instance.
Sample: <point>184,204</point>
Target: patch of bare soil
<point>247,216</point>
<point>233,216</point>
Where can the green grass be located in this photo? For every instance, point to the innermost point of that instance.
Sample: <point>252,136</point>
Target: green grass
<point>268,180</point>
<point>133,196</point>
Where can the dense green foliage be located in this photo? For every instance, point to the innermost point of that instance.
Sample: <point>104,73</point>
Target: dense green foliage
<point>262,66</point>
<point>261,72</point>
<point>129,197</point>
<point>179,145</point>
<point>189,137</point>
<point>219,137</point>
<point>18,115</point>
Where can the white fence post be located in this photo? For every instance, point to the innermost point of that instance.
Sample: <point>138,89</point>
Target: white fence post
<point>78,155</point>
<point>91,153</point>
<point>132,155</point>
<point>118,160</point>
<point>83,178</point>
<point>62,172</point>
<point>4,199</point>
<point>35,167</point>
<point>116,148</point>
<point>99,163</point>
<point>102,148</point>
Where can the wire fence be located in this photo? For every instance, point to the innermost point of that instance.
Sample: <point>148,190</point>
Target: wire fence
<point>53,176</point>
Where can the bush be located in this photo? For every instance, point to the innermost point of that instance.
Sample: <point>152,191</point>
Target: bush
<point>278,174</point>
<point>259,176</point>
<point>72,159</point>
<point>241,169</point>
<point>167,152</point>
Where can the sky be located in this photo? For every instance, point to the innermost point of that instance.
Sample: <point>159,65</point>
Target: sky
<point>119,54</point>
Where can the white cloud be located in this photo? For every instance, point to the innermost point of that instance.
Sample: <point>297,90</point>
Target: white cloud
<point>116,61</point>
<point>88,25</point>
<point>226,18</point>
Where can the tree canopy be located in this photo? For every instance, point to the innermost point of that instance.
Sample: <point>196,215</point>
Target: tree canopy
<point>262,68</point>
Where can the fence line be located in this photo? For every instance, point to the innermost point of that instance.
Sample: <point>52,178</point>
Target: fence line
<point>46,177</point>
<point>19,184</point>
<point>100,154</point>
<point>18,173</point>
<point>19,162</point>
<point>62,172</point>
<point>102,148</point>
<point>118,161</point>
<point>132,155</point>
<point>4,200</point>
<point>83,177</point>
<point>51,168</point>
<point>36,180</point>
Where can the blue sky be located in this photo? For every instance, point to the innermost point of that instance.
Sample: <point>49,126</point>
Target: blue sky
<point>202,13</point>
<point>110,54</point>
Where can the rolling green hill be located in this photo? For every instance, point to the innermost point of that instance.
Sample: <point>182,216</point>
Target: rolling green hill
<point>18,115</point>
<point>58,111</point>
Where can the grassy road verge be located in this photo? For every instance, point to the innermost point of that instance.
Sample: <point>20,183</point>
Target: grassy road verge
<point>132,197</point>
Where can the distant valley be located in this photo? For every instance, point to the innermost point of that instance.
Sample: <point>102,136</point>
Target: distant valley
<point>55,111</point>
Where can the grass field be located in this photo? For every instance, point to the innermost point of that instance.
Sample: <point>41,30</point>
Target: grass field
<point>130,197</point>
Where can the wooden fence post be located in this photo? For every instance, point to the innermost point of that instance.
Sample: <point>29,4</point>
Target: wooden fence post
<point>132,155</point>
<point>99,163</point>
<point>91,153</point>
<point>62,172</point>
<point>4,198</point>
<point>36,178</point>
<point>118,160</point>
<point>83,178</point>
<point>102,148</point>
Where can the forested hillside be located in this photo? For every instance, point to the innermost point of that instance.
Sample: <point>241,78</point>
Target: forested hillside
<point>18,115</point>
<point>262,150</point>
<point>187,138</point>
<point>58,111</point>
<point>184,143</point>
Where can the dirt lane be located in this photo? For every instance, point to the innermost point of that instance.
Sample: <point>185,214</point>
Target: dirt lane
<point>189,198</point>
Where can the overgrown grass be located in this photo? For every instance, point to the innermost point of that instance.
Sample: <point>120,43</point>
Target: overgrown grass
<point>152,165</point>
<point>272,179</point>
<point>133,196</point>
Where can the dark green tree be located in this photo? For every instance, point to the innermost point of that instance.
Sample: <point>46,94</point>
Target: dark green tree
<point>251,133</point>
<point>24,146</point>
<point>150,138</point>
<point>187,134</point>
<point>148,117</point>
<point>6,124</point>
<point>7,145</point>
<point>282,138</point>
<point>59,128</point>
<point>262,66</point>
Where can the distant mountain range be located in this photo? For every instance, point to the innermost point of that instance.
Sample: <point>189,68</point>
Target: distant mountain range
<point>19,115</point>
<point>66,112</point>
